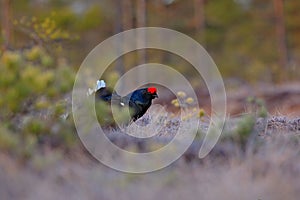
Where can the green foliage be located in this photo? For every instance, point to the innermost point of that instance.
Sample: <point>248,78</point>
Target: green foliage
<point>92,18</point>
<point>240,132</point>
<point>31,86</point>
<point>42,29</point>
<point>257,107</point>
<point>245,128</point>
<point>8,140</point>
<point>23,78</point>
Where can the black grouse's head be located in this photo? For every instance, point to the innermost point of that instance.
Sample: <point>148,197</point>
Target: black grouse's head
<point>144,95</point>
<point>152,92</point>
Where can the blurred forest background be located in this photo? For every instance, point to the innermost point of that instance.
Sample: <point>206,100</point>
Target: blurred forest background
<point>250,40</point>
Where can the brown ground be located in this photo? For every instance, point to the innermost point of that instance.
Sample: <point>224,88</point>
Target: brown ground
<point>279,99</point>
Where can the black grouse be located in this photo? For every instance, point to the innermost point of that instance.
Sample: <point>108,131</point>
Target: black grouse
<point>138,101</point>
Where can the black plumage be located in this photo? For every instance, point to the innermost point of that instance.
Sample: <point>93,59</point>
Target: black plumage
<point>138,101</point>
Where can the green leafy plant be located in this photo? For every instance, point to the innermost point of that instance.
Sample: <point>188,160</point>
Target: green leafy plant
<point>32,86</point>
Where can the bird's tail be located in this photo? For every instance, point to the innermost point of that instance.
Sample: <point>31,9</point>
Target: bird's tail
<point>99,84</point>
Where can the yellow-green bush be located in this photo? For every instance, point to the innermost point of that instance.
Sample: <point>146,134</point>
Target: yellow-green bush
<point>32,87</point>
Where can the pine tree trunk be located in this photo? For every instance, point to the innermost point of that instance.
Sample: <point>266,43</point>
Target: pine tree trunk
<point>127,14</point>
<point>281,39</point>
<point>127,21</point>
<point>141,37</point>
<point>199,18</point>
<point>6,22</point>
<point>119,46</point>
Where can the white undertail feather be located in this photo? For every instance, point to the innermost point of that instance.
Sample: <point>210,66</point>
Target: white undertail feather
<point>100,84</point>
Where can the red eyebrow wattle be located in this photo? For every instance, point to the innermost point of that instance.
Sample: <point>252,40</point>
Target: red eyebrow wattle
<point>152,90</point>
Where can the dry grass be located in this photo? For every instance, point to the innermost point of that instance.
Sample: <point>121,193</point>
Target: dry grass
<point>269,168</point>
